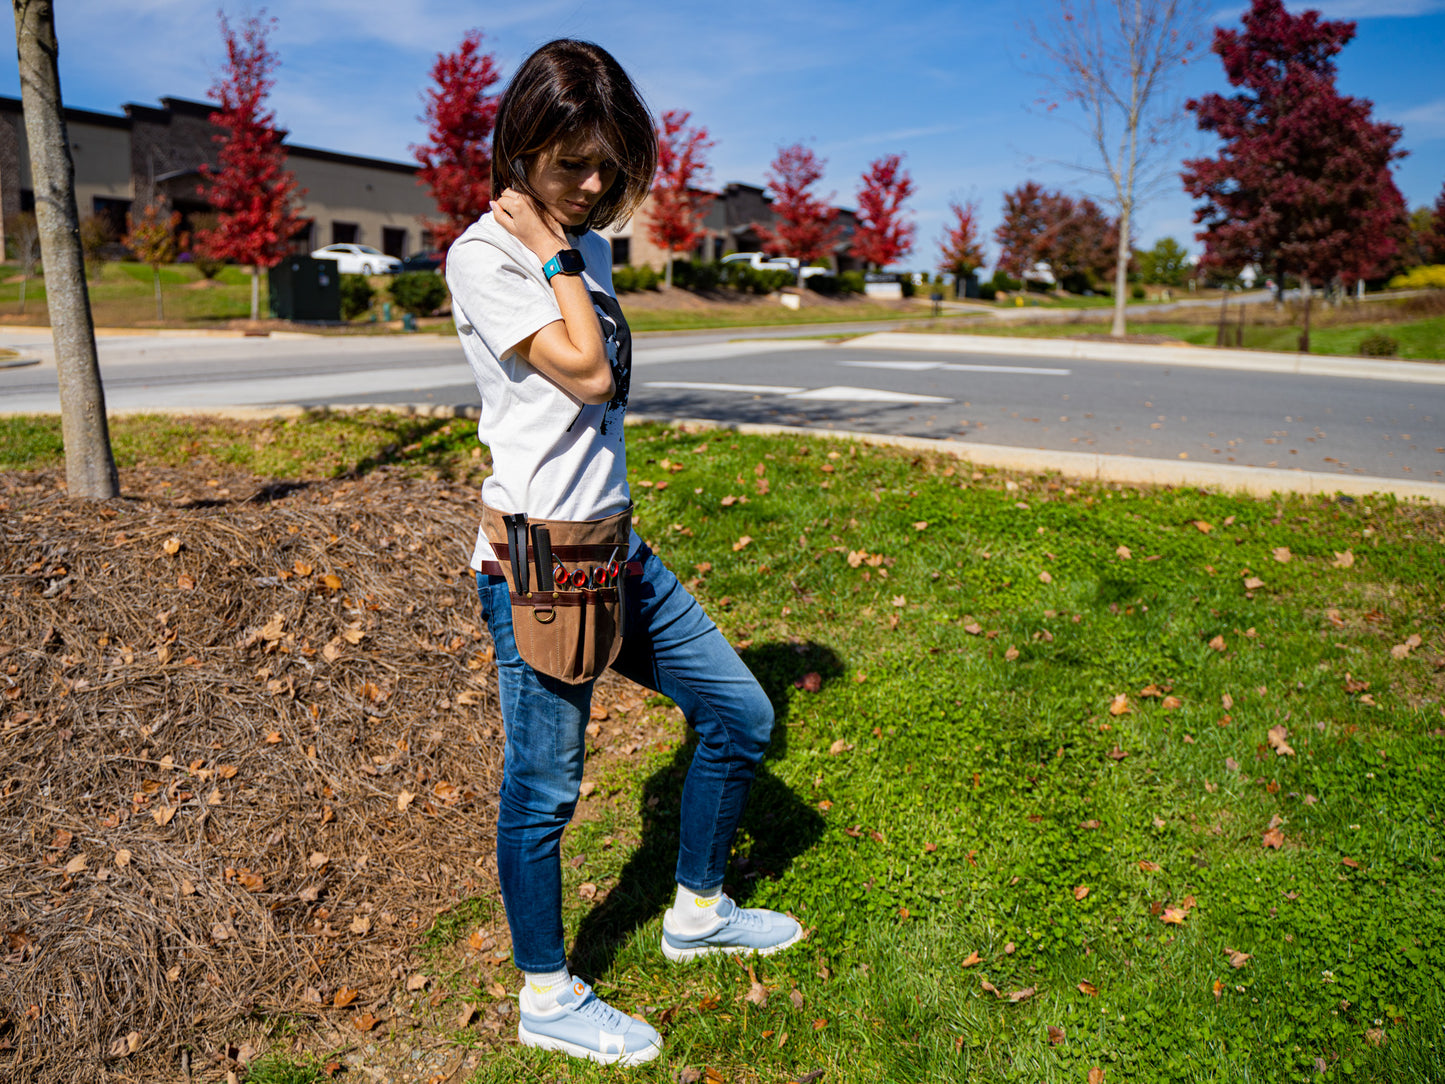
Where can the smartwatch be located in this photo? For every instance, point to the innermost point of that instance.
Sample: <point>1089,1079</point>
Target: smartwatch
<point>566,262</point>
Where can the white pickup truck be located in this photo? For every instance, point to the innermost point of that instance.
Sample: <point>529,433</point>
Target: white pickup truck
<point>760,262</point>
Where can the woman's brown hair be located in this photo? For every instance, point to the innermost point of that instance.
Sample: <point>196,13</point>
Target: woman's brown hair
<point>574,88</point>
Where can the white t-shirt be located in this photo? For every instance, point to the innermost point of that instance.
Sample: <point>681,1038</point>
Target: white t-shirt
<point>553,456</point>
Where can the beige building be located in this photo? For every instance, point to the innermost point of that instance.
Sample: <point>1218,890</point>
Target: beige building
<point>730,225</point>
<point>122,161</point>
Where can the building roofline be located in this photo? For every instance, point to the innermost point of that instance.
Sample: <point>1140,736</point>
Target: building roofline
<point>86,116</point>
<point>188,107</point>
<point>316,153</point>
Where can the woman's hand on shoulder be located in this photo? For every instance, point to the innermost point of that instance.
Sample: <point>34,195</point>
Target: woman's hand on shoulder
<point>520,216</point>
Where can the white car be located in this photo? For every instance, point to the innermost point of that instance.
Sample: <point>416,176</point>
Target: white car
<point>760,262</point>
<point>359,260</point>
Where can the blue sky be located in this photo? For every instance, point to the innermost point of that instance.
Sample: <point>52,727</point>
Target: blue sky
<point>949,84</point>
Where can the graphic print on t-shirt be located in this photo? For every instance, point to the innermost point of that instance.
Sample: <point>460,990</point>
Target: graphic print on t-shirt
<point>618,341</point>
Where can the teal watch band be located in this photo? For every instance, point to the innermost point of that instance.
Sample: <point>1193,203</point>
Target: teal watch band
<point>567,262</point>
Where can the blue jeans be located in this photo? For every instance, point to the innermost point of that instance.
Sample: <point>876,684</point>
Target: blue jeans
<point>672,647</point>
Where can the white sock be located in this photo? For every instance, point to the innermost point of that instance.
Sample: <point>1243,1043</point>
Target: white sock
<point>543,987</point>
<point>694,912</point>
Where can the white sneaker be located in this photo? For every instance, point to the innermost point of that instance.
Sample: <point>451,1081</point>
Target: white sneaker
<point>739,931</point>
<point>583,1025</point>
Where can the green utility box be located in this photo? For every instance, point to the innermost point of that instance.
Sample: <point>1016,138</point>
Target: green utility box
<point>305,288</point>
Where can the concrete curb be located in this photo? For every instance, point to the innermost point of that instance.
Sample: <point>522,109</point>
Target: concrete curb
<point>1264,361</point>
<point>1092,466</point>
<point>1095,466</point>
<point>17,363</point>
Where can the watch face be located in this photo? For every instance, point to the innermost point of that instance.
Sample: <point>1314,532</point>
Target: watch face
<point>569,260</point>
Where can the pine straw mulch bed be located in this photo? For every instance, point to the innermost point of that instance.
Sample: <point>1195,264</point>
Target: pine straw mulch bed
<point>249,748</point>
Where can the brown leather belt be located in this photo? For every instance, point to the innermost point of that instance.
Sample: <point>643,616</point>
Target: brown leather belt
<point>494,568</point>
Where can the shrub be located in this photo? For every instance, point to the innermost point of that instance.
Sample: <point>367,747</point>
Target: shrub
<point>96,237</point>
<point>356,296</point>
<point>1003,281</point>
<point>418,292</point>
<point>647,278</point>
<point>201,259</point>
<point>827,285</point>
<point>1431,277</point>
<point>1379,345</point>
<point>851,282</point>
<point>1137,293</point>
<point>695,275</point>
<point>986,292</point>
<point>905,282</point>
<point>624,279</point>
<point>747,279</point>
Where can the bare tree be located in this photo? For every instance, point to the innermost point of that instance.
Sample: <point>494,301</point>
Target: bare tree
<point>89,465</point>
<point>24,235</point>
<point>1116,59</point>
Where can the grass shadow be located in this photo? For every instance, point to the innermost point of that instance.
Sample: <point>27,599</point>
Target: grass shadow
<point>777,825</point>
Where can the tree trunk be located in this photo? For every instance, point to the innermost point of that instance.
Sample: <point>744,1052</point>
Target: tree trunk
<point>89,464</point>
<point>1121,275</point>
<point>668,277</point>
<point>1304,339</point>
<point>160,312</point>
<point>255,291</point>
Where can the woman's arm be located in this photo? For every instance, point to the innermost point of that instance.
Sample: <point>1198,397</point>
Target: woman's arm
<point>570,351</point>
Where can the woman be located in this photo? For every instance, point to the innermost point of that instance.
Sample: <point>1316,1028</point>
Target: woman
<point>574,150</point>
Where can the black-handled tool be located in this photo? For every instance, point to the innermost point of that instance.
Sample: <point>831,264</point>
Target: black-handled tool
<point>542,548</point>
<point>517,550</point>
<point>525,575</point>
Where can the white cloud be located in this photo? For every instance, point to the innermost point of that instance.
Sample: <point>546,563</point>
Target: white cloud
<point>1421,122</point>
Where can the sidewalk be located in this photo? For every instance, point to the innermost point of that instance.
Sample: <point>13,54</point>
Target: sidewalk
<point>1203,357</point>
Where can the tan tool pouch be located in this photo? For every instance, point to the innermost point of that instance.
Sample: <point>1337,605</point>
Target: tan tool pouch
<point>568,633</point>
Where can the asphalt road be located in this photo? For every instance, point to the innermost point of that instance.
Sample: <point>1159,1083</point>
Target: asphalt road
<point>1316,423</point>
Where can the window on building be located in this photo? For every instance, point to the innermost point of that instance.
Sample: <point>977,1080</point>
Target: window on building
<point>621,251</point>
<point>303,240</point>
<point>112,212</point>
<point>345,233</point>
<point>393,241</point>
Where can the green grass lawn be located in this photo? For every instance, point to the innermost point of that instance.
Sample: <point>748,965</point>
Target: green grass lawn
<point>725,316</point>
<point>1418,339</point>
<point>1065,777</point>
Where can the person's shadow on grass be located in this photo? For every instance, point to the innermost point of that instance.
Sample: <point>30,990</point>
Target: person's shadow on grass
<point>777,823</point>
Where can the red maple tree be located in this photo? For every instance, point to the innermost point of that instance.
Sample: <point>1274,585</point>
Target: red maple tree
<point>807,227</point>
<point>1080,242</point>
<point>456,160</point>
<point>883,235</point>
<point>1074,237</point>
<point>252,191</point>
<point>961,251</point>
<point>674,221</point>
<point>1303,183</point>
<point>1432,243</point>
<point>1023,225</point>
